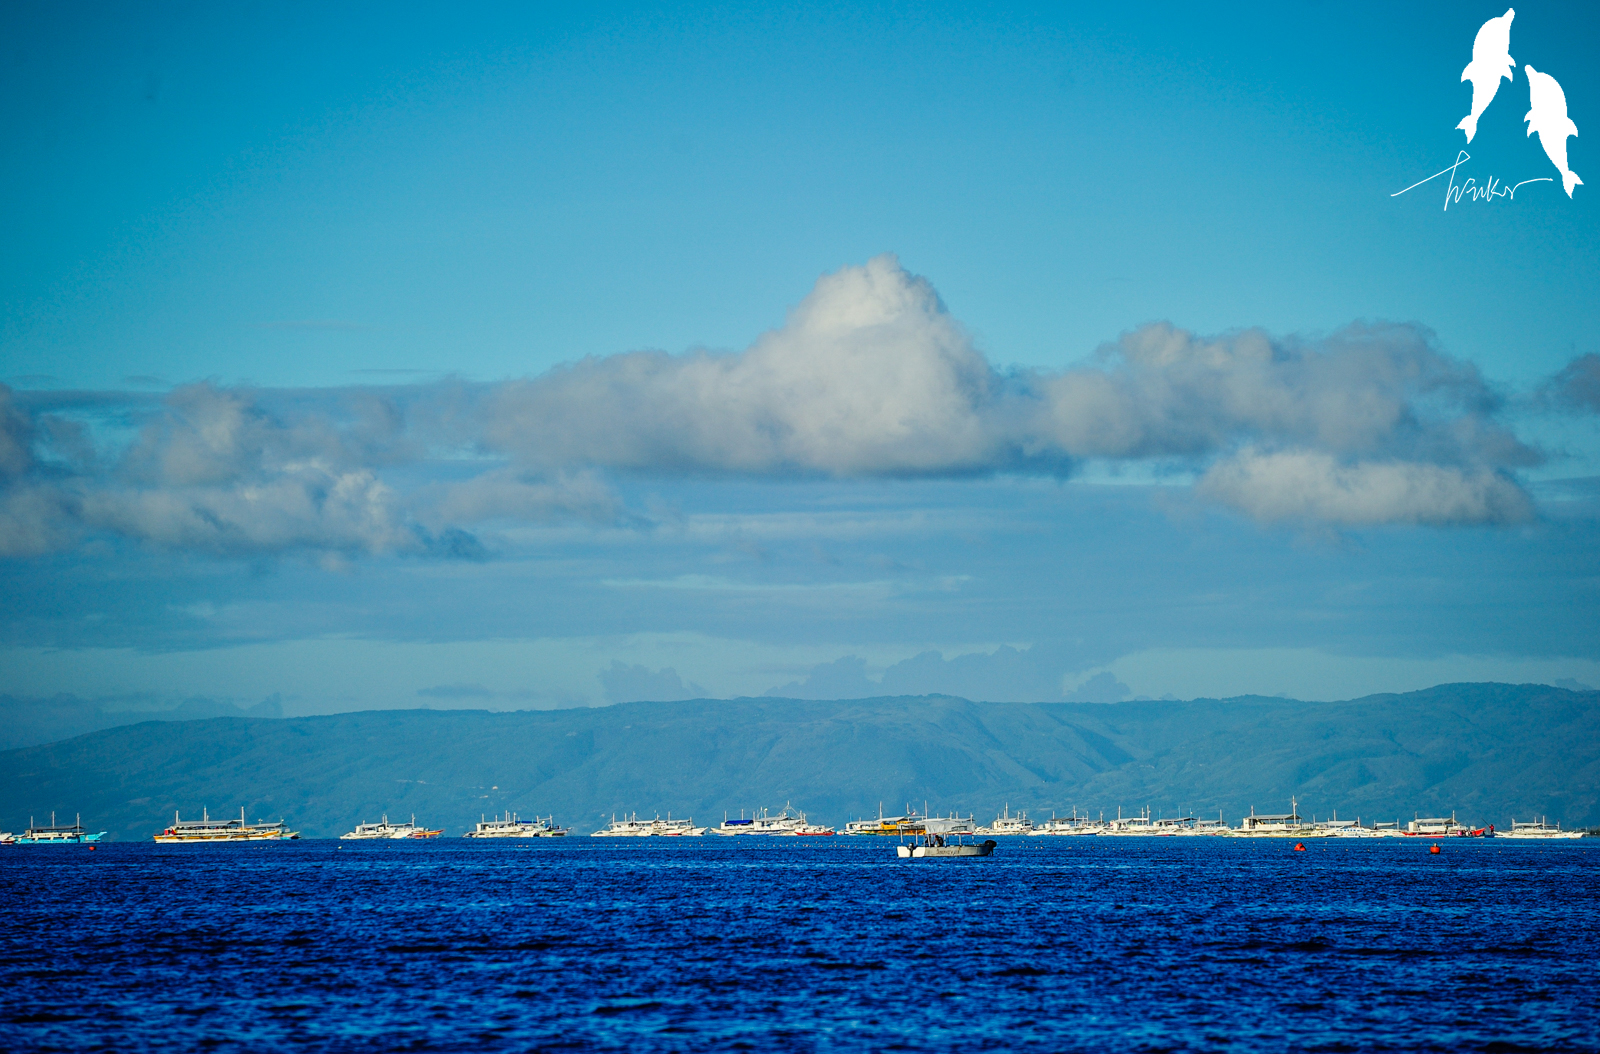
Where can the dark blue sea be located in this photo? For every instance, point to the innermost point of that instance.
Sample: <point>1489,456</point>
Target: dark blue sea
<point>830,944</point>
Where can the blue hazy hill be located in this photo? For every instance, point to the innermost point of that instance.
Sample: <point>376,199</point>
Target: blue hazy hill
<point>1486,751</point>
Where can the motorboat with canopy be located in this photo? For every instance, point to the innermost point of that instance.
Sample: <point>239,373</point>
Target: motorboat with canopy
<point>944,838</point>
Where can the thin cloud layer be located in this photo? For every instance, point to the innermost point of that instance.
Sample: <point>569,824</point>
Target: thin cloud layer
<point>870,376</point>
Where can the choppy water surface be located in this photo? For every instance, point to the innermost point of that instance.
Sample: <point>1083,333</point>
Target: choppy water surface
<point>801,944</point>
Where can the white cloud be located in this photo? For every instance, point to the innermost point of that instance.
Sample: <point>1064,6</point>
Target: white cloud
<point>869,376</point>
<point>1366,390</point>
<point>1315,487</point>
<point>1101,688</point>
<point>32,521</point>
<point>310,508</point>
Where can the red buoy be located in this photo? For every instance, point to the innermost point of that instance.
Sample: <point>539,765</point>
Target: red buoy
<point>1299,847</point>
<point>1433,849</point>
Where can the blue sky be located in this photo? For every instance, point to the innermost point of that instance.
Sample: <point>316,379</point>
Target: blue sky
<point>990,350</point>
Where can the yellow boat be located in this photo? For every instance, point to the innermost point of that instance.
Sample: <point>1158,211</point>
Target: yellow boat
<point>888,826</point>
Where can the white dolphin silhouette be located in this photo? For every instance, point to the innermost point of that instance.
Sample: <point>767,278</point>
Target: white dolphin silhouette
<point>1548,117</point>
<point>1491,60</point>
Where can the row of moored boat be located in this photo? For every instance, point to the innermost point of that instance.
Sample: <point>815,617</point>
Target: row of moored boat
<point>792,824</point>
<point>1283,825</point>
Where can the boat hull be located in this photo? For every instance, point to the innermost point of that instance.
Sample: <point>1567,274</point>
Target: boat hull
<point>926,852</point>
<point>168,839</point>
<point>85,839</point>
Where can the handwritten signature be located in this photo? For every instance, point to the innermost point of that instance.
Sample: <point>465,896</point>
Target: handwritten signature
<point>1471,189</point>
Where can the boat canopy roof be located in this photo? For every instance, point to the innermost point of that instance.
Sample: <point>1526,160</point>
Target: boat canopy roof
<point>937,826</point>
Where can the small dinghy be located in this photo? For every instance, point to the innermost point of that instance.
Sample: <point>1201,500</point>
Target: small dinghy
<point>942,838</point>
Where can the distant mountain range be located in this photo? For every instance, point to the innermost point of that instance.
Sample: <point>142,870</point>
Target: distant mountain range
<point>1487,752</point>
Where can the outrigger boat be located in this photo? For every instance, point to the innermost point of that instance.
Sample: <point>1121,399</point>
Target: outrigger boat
<point>1069,826</point>
<point>387,830</point>
<point>633,827</point>
<point>943,838</point>
<point>764,823</point>
<point>909,824</point>
<point>1445,827</point>
<point>57,835</point>
<point>1537,829</point>
<point>206,829</point>
<point>1005,823</point>
<point>513,826</point>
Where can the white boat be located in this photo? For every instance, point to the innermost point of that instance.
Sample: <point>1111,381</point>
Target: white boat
<point>1176,825</point>
<point>784,826</point>
<point>1073,826</point>
<point>1216,828</point>
<point>1006,824</point>
<point>1444,827</point>
<point>7,838</point>
<point>810,830</point>
<point>1140,825</point>
<point>633,827</point>
<point>1277,825</point>
<point>206,829</point>
<point>1536,829</point>
<point>942,838</point>
<point>389,831</point>
<point>627,827</point>
<point>762,823</point>
<point>513,826</point>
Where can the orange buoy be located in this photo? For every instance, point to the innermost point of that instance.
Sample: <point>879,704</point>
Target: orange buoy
<point>1433,849</point>
<point>1299,847</point>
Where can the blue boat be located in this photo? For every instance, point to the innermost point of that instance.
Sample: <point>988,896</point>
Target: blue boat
<point>57,835</point>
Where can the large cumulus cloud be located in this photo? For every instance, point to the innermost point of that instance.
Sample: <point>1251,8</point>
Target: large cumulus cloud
<point>872,376</point>
<point>869,376</point>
